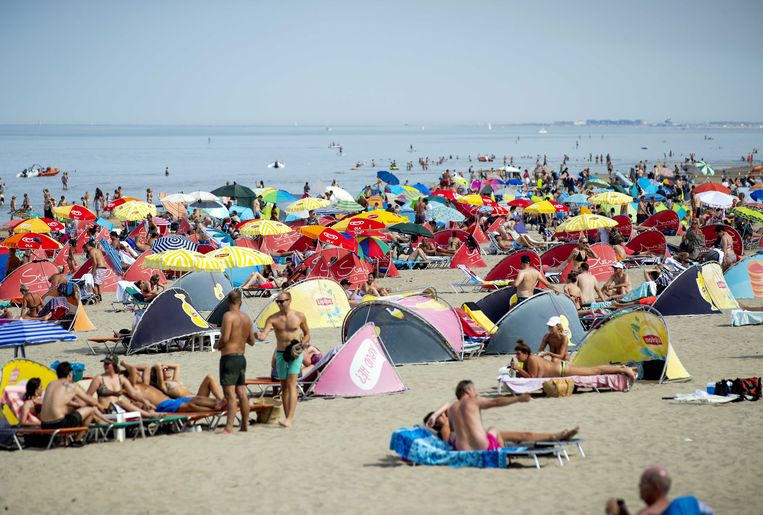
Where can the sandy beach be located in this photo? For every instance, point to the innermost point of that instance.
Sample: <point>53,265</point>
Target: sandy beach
<point>336,458</point>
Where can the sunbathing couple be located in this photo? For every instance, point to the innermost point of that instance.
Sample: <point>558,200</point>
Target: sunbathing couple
<point>460,423</point>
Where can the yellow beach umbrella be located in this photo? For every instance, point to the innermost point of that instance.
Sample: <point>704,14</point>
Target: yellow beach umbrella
<point>379,215</point>
<point>472,200</point>
<point>34,225</point>
<point>202,263</point>
<point>264,228</point>
<point>307,204</point>
<point>74,212</point>
<point>613,198</point>
<point>240,257</point>
<point>134,211</point>
<point>180,260</point>
<point>585,222</point>
<point>459,180</point>
<point>543,207</point>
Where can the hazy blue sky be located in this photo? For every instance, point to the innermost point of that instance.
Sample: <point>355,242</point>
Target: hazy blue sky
<point>316,62</point>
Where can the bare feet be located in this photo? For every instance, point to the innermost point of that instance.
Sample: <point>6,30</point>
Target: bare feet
<point>284,422</point>
<point>228,430</point>
<point>244,427</point>
<point>568,434</point>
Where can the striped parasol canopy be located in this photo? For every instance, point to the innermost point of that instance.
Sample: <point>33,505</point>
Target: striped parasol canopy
<point>134,211</point>
<point>180,260</point>
<point>263,228</point>
<point>704,168</point>
<point>349,206</point>
<point>75,212</point>
<point>370,247</point>
<point>612,198</point>
<point>307,204</point>
<point>28,332</point>
<point>207,264</point>
<point>585,222</point>
<point>173,242</point>
<point>240,257</point>
<point>38,225</point>
<point>275,196</point>
<point>748,213</point>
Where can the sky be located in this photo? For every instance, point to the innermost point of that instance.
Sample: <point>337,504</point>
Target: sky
<point>387,62</point>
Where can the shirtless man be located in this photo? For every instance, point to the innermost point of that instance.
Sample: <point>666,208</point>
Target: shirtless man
<point>589,286</point>
<point>465,420</point>
<point>100,269</point>
<point>31,303</point>
<point>371,287</point>
<point>556,340</point>
<point>65,404</point>
<point>572,290</point>
<point>55,281</point>
<point>535,366</point>
<point>619,283</point>
<point>527,280</point>
<point>287,325</point>
<point>419,208</point>
<point>236,332</point>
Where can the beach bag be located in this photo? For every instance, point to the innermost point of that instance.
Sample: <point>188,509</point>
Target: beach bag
<point>748,388</point>
<point>292,351</point>
<point>559,387</point>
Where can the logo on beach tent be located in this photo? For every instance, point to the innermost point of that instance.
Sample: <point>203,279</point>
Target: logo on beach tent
<point>366,365</point>
<point>652,339</point>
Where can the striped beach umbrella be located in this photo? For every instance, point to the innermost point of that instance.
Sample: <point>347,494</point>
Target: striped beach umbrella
<point>307,204</point>
<point>704,168</point>
<point>612,198</point>
<point>240,257</point>
<point>747,213</point>
<point>38,225</point>
<point>263,228</point>
<point>75,212</point>
<point>31,240</point>
<point>30,332</point>
<point>180,260</point>
<point>371,248</point>
<point>134,211</point>
<point>349,206</point>
<point>582,223</point>
<point>276,196</point>
<point>202,263</point>
<point>173,242</point>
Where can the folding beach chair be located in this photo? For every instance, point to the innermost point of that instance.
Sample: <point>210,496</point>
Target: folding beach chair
<point>263,385</point>
<point>473,283</point>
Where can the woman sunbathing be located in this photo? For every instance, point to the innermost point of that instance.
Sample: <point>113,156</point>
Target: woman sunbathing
<point>167,379</point>
<point>113,389</point>
<point>30,410</point>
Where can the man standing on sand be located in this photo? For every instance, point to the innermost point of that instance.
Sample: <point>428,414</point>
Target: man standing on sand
<point>527,280</point>
<point>419,208</point>
<point>465,417</point>
<point>287,325</point>
<point>235,333</point>
<point>100,269</point>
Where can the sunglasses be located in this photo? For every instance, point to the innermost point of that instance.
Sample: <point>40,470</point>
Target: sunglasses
<point>281,301</point>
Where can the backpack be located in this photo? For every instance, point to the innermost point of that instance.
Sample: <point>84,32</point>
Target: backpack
<point>748,388</point>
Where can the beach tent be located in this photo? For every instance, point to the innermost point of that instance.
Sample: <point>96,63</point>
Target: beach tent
<point>715,283</point>
<point>170,316</point>
<point>205,289</point>
<point>109,283</point>
<point>350,267</point>
<point>527,321</point>
<point>61,256</point>
<point>632,336</point>
<point>468,255</point>
<point>497,303</point>
<point>417,328</point>
<point>5,254</point>
<point>667,222</point>
<point>649,242</point>
<point>624,226</point>
<point>509,267</point>
<point>361,367</point>
<point>34,275</point>
<point>710,235</point>
<point>15,374</point>
<point>322,300</point>
<point>600,267</point>
<point>441,237</point>
<point>215,317</point>
<point>137,273</point>
<point>686,295</point>
<point>745,278</point>
<point>556,255</point>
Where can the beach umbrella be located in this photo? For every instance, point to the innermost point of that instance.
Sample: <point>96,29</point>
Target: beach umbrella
<point>181,198</point>
<point>473,200</point>
<point>213,208</point>
<point>423,189</point>
<point>577,198</point>
<point>711,186</point>
<point>747,213</point>
<point>338,194</point>
<point>387,177</point>
<point>349,206</point>
<point>108,225</point>
<point>370,247</point>
<point>459,180</point>
<point>653,197</point>
<point>704,168</point>
<point>134,211</point>
<point>31,240</point>
<point>597,183</point>
<point>358,226</point>
<point>244,213</point>
<point>520,202</point>
<point>203,196</point>
<point>307,204</point>
<point>276,196</point>
<point>207,264</point>
<point>546,207</point>
<point>75,212</point>
<point>38,225</point>
<point>379,215</point>
<point>582,223</point>
<point>263,228</point>
<point>173,242</point>
<point>240,257</point>
<point>715,199</point>
<point>235,191</point>
<point>180,260</point>
<point>514,182</point>
<point>412,229</point>
<point>756,195</point>
<point>29,332</point>
<point>441,213</point>
<point>112,205</point>
<point>328,235</point>
<point>612,198</point>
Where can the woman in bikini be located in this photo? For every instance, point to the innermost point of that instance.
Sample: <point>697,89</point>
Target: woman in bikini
<point>581,254</point>
<point>113,389</point>
<point>167,379</point>
<point>30,410</point>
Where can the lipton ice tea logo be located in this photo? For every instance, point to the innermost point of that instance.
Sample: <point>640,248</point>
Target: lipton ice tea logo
<point>191,312</point>
<point>652,339</point>
<point>324,301</point>
<point>14,377</point>
<point>366,366</point>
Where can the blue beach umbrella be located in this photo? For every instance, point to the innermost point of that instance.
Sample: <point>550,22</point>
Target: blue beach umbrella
<point>173,242</point>
<point>443,213</point>
<point>577,198</point>
<point>647,185</point>
<point>387,177</point>
<point>20,333</point>
<point>423,189</point>
<point>653,197</point>
<point>514,182</point>
<point>112,255</point>
<point>244,213</point>
<point>757,194</point>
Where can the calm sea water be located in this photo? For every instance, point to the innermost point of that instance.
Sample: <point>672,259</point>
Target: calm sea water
<point>205,157</point>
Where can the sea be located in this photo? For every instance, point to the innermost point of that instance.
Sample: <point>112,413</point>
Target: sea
<point>205,157</point>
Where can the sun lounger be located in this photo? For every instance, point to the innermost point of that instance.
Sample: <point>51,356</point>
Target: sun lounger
<point>518,385</point>
<point>65,436</point>
<point>260,386</point>
<point>404,264</point>
<point>110,343</point>
<point>474,283</point>
<point>129,297</point>
<point>122,423</point>
<point>259,291</point>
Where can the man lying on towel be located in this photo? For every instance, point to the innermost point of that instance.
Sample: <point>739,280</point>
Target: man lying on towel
<point>535,366</point>
<point>464,417</point>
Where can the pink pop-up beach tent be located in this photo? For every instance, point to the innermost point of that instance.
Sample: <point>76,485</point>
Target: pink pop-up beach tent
<point>361,367</point>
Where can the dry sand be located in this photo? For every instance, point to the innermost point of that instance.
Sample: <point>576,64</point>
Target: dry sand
<point>336,458</point>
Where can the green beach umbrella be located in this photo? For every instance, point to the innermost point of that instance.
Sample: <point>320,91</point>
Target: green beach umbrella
<point>412,229</point>
<point>236,191</point>
<point>747,213</point>
<point>443,213</point>
<point>704,168</point>
<point>348,206</point>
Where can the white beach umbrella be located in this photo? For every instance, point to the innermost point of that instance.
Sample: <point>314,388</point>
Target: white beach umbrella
<point>179,197</point>
<point>203,196</point>
<point>715,199</point>
<point>339,194</point>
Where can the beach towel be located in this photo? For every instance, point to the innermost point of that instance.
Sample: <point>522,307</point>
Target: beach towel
<point>616,382</point>
<point>741,317</point>
<point>421,447</point>
<point>13,397</point>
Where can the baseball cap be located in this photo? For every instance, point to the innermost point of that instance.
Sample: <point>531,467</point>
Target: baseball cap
<point>618,265</point>
<point>554,321</point>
